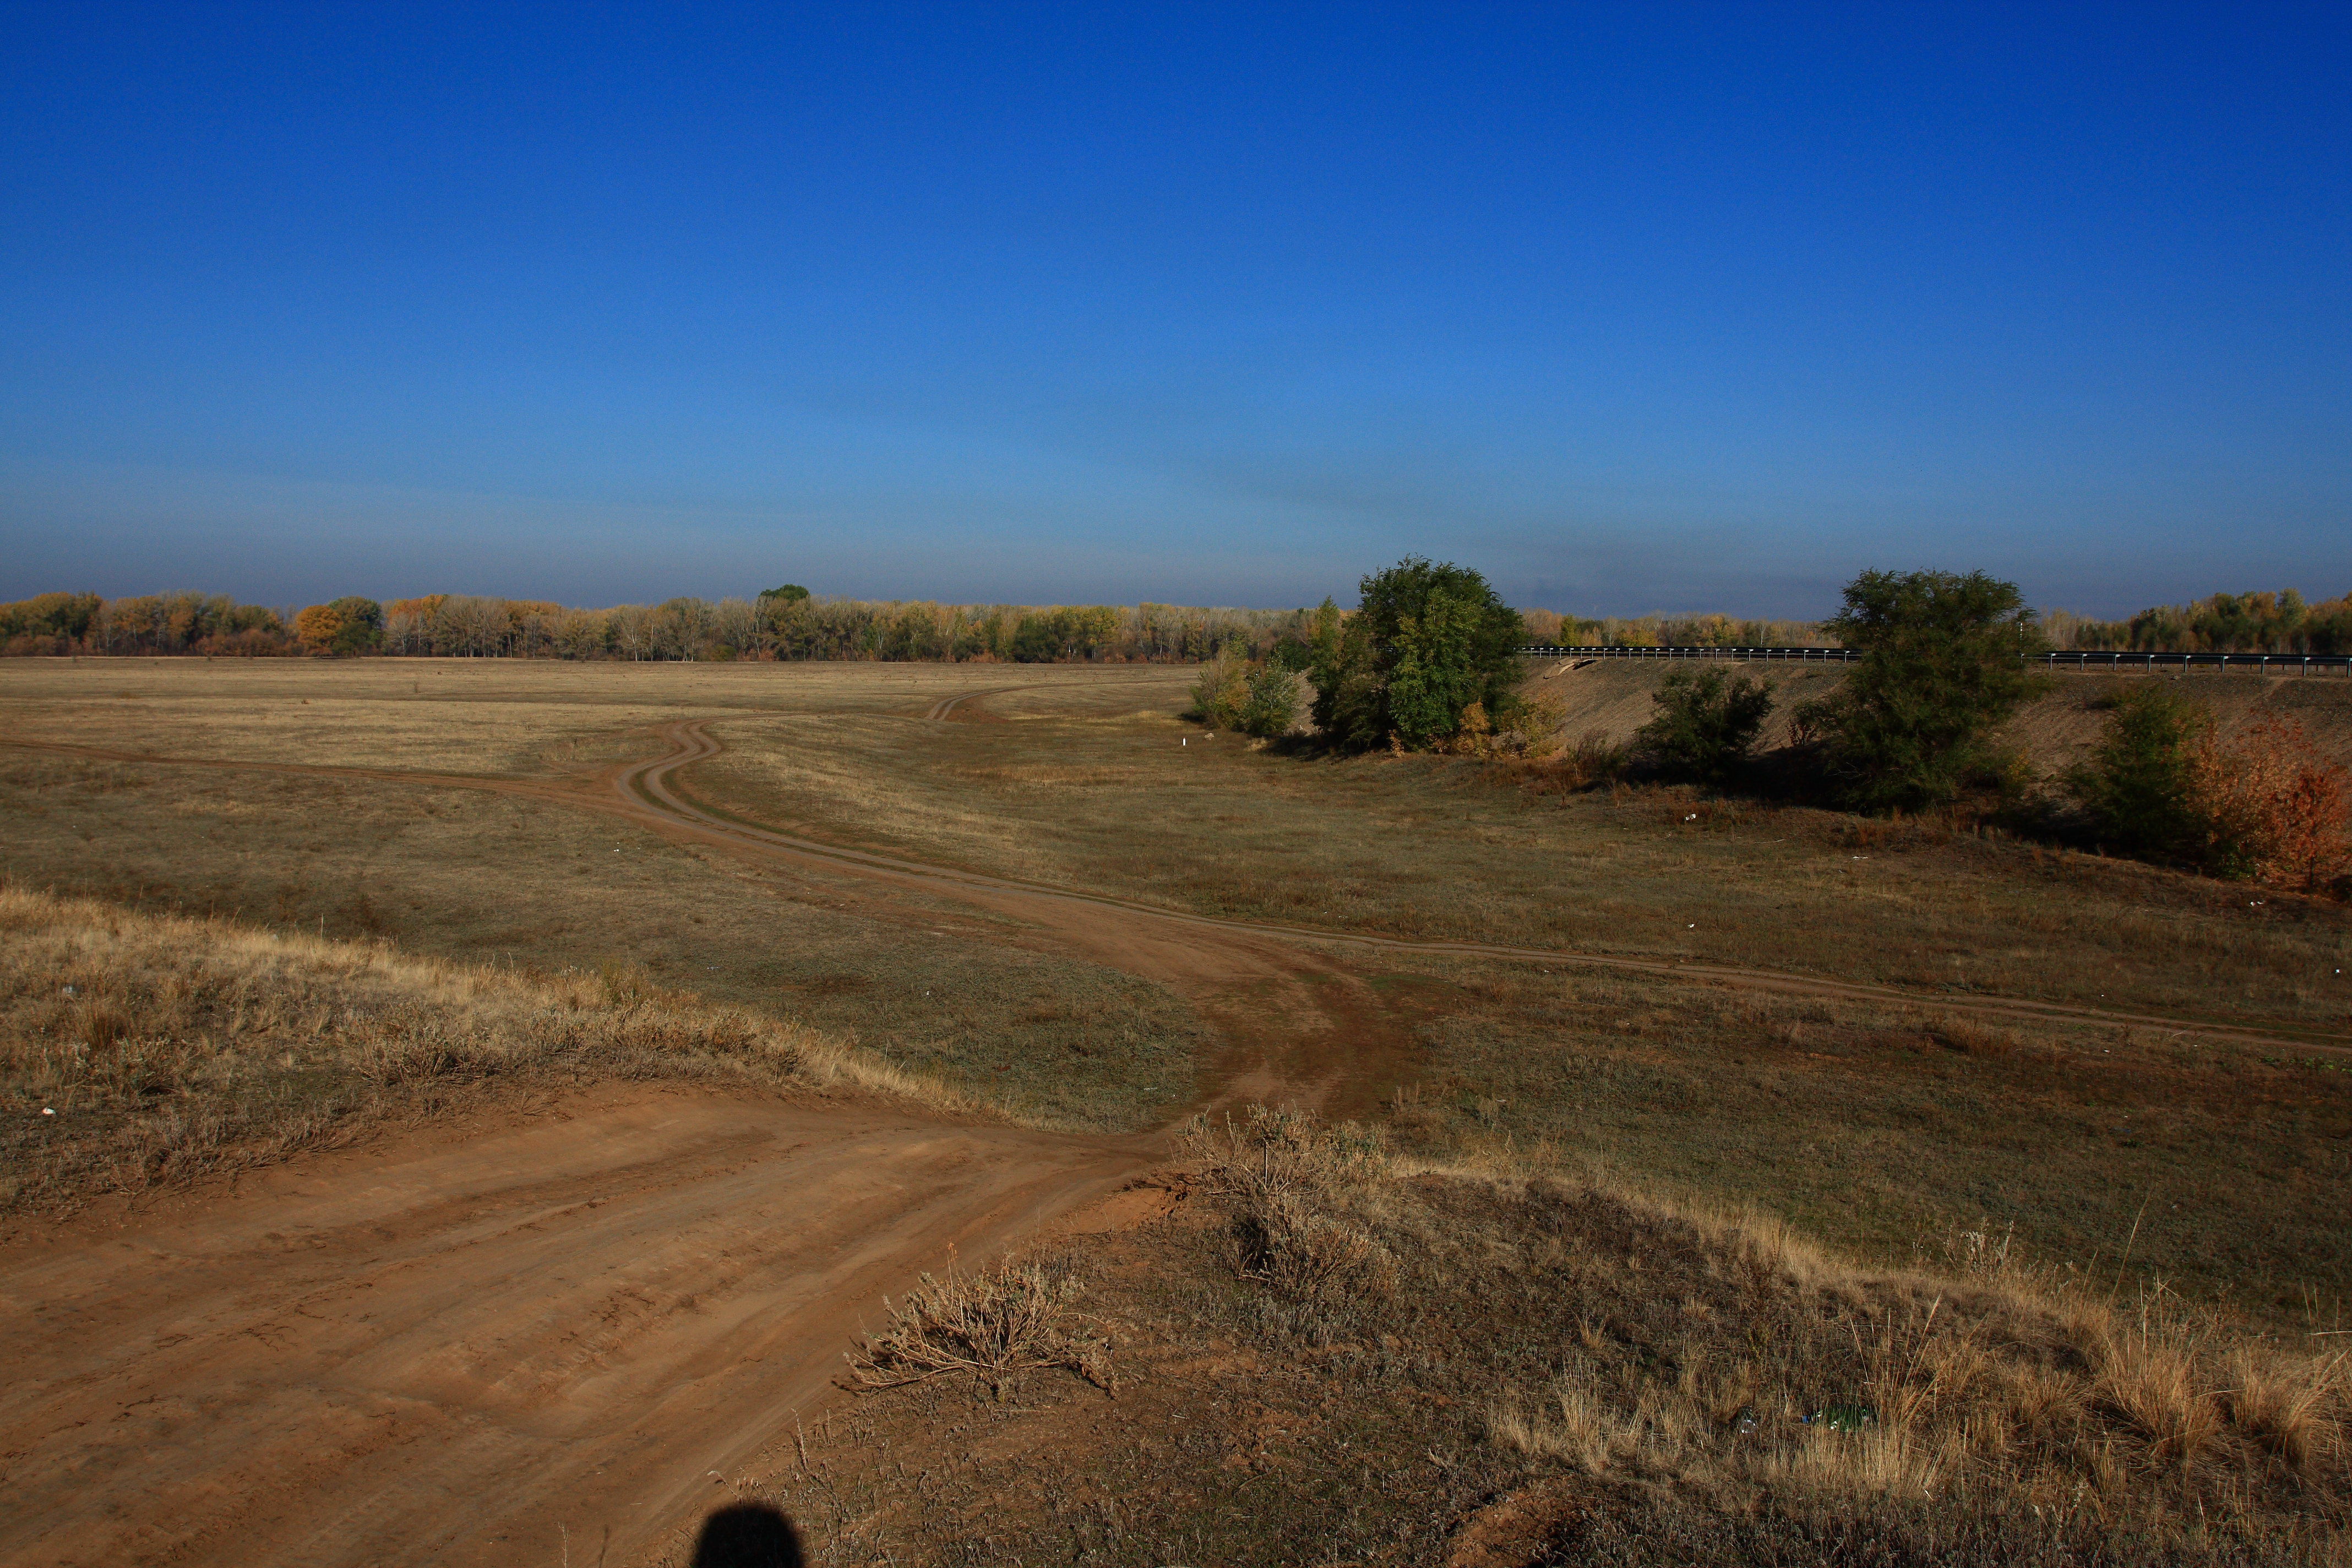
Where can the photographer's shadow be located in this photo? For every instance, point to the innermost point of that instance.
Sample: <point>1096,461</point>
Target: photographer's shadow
<point>748,1535</point>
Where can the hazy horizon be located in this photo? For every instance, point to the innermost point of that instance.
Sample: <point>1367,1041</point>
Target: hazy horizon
<point>1701,312</point>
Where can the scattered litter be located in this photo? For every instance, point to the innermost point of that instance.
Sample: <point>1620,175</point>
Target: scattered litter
<point>1746,1423</point>
<point>48,1111</point>
<point>1843,1417</point>
<point>71,992</point>
<point>1692,817</point>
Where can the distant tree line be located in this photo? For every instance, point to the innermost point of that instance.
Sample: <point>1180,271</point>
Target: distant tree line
<point>1554,630</point>
<point>793,624</point>
<point>2222,623</point>
<point>2281,622</point>
<point>150,624</point>
<point>787,623</point>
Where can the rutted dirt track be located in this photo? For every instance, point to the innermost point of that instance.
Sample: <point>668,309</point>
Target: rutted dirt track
<point>458,1343</point>
<point>1147,939</point>
<point>455,1345</point>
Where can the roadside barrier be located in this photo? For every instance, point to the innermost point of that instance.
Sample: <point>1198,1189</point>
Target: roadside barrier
<point>2260,663</point>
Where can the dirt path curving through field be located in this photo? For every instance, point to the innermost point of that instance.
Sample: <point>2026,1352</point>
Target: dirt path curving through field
<point>1304,1029</point>
<point>1102,924</point>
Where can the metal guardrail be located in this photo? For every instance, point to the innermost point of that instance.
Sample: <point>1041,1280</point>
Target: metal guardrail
<point>2260,663</point>
<point>1808,655</point>
<point>2263,663</point>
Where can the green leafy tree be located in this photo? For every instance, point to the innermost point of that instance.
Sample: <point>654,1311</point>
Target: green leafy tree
<point>1943,664</point>
<point>1704,724</point>
<point>790,592</point>
<point>1425,644</point>
<point>362,625</point>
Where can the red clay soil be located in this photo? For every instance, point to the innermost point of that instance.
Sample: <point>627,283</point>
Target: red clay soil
<point>458,1343</point>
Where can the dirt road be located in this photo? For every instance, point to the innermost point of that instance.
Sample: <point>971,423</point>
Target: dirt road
<point>491,1342</point>
<point>455,1345</point>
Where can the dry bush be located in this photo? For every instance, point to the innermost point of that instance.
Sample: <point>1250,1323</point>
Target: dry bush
<point>991,1326</point>
<point>160,1048</point>
<point>1295,1186</point>
<point>2274,808</point>
<point>1592,761</point>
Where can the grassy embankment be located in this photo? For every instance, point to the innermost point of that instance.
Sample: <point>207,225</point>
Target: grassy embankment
<point>1332,1351</point>
<point>139,1050</point>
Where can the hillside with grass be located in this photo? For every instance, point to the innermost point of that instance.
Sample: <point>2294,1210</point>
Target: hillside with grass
<point>1316,1347</point>
<point>1611,698</point>
<point>140,1050</point>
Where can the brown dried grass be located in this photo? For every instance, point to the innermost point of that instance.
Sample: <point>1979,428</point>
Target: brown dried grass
<point>1722,1351</point>
<point>991,1326</point>
<point>138,1049</point>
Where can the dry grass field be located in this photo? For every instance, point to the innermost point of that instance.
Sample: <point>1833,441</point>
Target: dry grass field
<point>487,877</point>
<point>332,897</point>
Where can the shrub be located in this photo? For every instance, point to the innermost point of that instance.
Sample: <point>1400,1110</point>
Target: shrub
<point>1943,665</point>
<point>1289,1178</point>
<point>1272,705</point>
<point>1253,696</point>
<point>990,1326</point>
<point>1704,725</point>
<point>2140,785</point>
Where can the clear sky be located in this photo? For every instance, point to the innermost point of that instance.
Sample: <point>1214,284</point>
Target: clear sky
<point>1633,308</point>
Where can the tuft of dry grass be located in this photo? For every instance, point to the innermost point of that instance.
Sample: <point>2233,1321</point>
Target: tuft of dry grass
<point>138,1049</point>
<point>1295,1186</point>
<point>2287,1409</point>
<point>991,1326</point>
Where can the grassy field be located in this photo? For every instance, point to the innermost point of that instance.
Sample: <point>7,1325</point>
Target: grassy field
<point>1587,1275</point>
<point>1872,1125</point>
<point>1086,791</point>
<point>484,876</point>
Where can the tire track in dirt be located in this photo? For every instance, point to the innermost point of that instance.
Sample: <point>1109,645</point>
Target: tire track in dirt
<point>1250,974</point>
<point>458,1344</point>
<point>945,706</point>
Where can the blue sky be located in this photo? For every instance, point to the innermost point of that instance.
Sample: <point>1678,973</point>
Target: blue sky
<point>1632,308</point>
